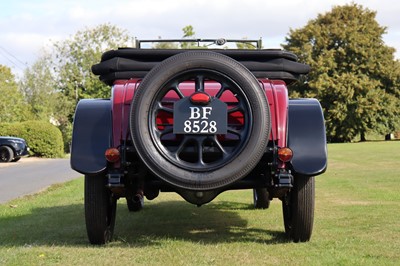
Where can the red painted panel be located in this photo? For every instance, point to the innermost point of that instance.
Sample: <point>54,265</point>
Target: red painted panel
<point>123,91</point>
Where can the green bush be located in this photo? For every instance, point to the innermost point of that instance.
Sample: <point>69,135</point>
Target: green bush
<point>10,129</point>
<point>43,138</point>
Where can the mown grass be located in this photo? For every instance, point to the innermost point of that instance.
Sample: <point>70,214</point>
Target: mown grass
<point>357,222</point>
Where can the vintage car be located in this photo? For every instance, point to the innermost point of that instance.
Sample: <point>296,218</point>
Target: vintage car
<point>198,122</point>
<point>12,149</point>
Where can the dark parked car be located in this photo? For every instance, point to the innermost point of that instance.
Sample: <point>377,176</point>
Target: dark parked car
<point>12,149</point>
<point>199,122</point>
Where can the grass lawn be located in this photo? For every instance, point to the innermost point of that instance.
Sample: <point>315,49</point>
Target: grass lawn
<point>357,222</point>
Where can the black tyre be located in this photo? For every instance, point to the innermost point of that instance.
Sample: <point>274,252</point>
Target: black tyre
<point>298,209</point>
<point>100,210</point>
<point>261,198</point>
<point>6,154</point>
<point>200,162</point>
<point>135,203</point>
<point>16,159</point>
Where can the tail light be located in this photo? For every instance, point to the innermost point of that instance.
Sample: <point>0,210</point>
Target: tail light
<point>285,154</point>
<point>200,98</point>
<point>112,155</point>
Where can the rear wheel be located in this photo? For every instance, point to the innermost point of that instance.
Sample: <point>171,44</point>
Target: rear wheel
<point>298,209</point>
<point>261,198</point>
<point>135,203</point>
<point>16,159</point>
<point>6,154</point>
<point>100,209</point>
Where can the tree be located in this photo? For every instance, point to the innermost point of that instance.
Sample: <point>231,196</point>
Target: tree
<point>12,106</point>
<point>354,74</point>
<point>56,82</point>
<point>188,33</point>
<point>39,89</point>
<point>46,101</point>
<point>74,58</point>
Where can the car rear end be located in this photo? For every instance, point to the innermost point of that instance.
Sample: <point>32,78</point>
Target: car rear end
<point>198,123</point>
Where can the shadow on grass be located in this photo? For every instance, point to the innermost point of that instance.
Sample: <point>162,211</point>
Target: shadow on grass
<point>214,223</point>
<point>158,222</point>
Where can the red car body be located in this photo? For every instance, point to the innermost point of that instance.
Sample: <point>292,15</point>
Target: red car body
<point>123,92</point>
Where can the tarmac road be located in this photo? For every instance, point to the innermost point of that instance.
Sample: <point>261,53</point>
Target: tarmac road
<point>31,175</point>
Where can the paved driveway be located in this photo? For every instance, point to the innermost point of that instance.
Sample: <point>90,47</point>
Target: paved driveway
<point>31,175</point>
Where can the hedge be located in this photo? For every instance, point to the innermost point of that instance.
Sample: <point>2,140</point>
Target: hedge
<point>43,138</point>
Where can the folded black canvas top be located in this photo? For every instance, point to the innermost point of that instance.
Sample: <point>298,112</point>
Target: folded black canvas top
<point>126,63</point>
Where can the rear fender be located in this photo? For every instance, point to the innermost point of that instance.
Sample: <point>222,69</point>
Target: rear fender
<point>91,136</point>
<point>307,137</point>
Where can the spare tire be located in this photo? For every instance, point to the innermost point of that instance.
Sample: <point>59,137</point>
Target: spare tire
<point>200,161</point>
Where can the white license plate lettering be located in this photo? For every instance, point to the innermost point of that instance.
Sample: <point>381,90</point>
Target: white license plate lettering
<point>203,126</point>
<point>200,113</point>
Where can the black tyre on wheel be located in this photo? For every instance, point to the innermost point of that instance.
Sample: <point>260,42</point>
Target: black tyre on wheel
<point>200,162</point>
<point>134,203</point>
<point>261,198</point>
<point>100,210</point>
<point>16,159</point>
<point>298,209</point>
<point>6,154</point>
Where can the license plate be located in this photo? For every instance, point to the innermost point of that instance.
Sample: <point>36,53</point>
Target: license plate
<point>207,119</point>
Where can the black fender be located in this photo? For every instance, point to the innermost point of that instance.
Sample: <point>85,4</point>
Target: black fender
<point>91,136</point>
<point>307,137</point>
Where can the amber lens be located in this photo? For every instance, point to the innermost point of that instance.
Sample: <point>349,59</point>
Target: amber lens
<point>112,155</point>
<point>285,154</point>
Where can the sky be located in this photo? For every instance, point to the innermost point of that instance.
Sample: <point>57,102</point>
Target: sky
<point>27,27</point>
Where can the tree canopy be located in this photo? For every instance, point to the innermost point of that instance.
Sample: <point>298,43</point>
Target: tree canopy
<point>39,89</point>
<point>57,81</point>
<point>189,33</point>
<point>74,58</point>
<point>354,74</point>
<point>13,108</point>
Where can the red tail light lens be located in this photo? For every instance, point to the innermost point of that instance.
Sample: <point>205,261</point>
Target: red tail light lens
<point>200,98</point>
<point>112,155</point>
<point>285,154</point>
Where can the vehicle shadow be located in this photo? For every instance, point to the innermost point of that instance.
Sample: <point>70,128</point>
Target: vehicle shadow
<point>218,222</point>
<point>176,220</point>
